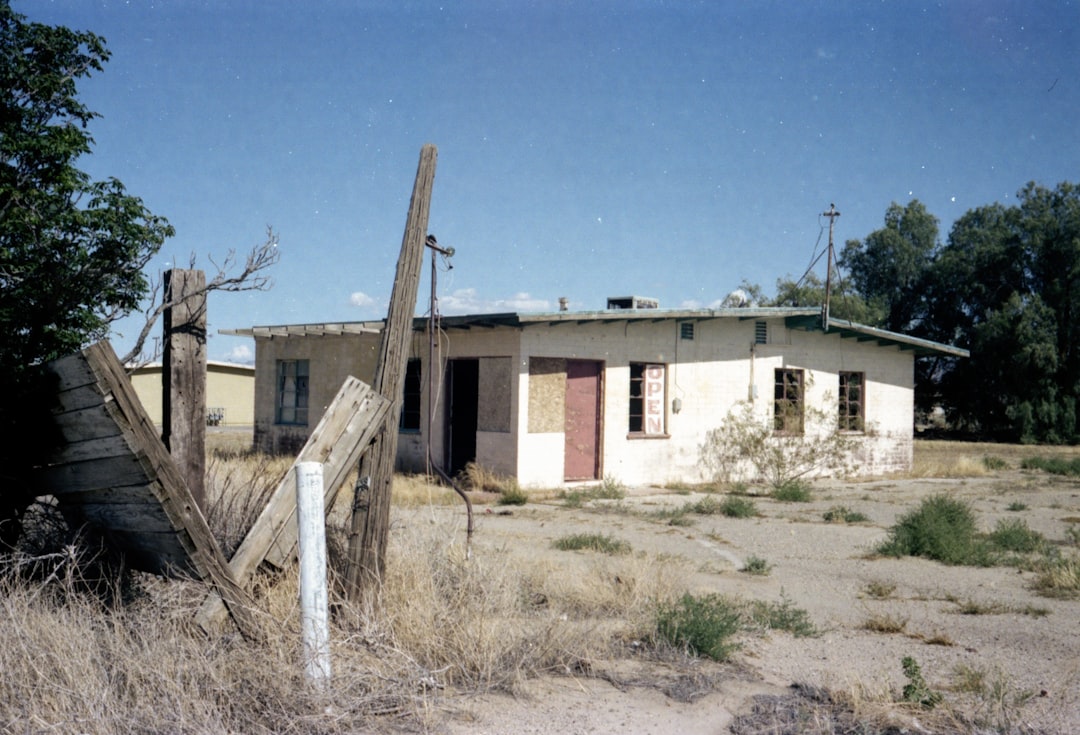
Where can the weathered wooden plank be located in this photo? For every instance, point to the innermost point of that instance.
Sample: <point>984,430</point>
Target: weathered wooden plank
<point>72,372</point>
<point>341,436</point>
<point>75,477</point>
<point>82,396</point>
<point>149,465</point>
<point>89,422</point>
<point>132,517</point>
<point>96,448</point>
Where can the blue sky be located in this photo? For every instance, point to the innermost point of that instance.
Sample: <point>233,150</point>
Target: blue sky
<point>586,149</point>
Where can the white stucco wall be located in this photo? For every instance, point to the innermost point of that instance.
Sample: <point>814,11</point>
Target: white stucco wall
<point>709,374</point>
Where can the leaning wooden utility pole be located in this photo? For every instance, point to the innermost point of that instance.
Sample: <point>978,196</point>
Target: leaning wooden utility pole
<point>370,526</point>
<point>183,377</point>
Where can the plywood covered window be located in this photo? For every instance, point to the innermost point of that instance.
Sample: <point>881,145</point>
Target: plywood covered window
<point>410,399</point>
<point>291,401</point>
<point>788,401</point>
<point>852,401</point>
<point>648,391</point>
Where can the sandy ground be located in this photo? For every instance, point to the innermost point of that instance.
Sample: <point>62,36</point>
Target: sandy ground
<point>1029,645</point>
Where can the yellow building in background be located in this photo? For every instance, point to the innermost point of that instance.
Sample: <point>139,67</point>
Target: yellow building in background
<point>230,392</point>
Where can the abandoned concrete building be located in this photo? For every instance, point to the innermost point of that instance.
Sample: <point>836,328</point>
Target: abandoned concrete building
<point>626,393</point>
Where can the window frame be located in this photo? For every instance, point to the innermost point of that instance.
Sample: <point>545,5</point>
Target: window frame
<point>638,408</point>
<point>848,421</point>
<point>291,403</point>
<point>789,401</point>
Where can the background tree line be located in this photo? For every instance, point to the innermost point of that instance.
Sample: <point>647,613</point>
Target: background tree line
<point>1004,284</point>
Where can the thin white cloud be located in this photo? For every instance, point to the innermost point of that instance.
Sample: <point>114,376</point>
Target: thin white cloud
<point>241,354</point>
<point>359,298</point>
<point>468,301</point>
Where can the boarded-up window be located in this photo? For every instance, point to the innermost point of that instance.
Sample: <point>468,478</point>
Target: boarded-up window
<point>547,395</point>
<point>647,399</point>
<point>291,401</point>
<point>493,409</point>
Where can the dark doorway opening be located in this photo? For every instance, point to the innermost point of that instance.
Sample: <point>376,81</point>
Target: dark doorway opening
<point>462,400</point>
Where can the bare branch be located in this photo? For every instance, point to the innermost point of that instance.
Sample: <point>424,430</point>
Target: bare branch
<point>251,277</point>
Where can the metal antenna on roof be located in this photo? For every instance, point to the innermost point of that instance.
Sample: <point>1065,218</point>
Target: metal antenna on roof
<point>832,214</point>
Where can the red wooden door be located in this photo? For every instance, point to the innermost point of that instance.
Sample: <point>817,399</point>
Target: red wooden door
<point>582,456</point>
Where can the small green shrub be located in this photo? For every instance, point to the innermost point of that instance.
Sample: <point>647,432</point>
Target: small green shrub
<point>609,489</point>
<point>843,514</point>
<point>574,499</point>
<point>592,542</point>
<point>703,625</point>
<point>1014,535</point>
<point>707,506</point>
<point>1058,577</point>
<point>941,528</point>
<point>916,690</point>
<point>994,463</point>
<point>512,494</point>
<point>737,507</point>
<point>782,615</point>
<point>792,491</point>
<point>879,590</point>
<point>1016,506</point>
<point>756,566</point>
<point>1053,465</point>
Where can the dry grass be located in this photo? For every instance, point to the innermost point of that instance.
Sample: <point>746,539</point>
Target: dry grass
<point>934,458</point>
<point>445,622</point>
<point>69,663</point>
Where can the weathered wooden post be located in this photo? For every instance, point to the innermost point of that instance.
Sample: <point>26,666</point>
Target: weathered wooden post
<point>183,377</point>
<point>314,603</point>
<point>371,507</point>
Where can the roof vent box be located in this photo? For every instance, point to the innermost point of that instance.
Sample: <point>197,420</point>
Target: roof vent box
<point>632,302</point>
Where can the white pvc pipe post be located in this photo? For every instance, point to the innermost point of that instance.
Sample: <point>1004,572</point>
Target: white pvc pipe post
<point>314,607</point>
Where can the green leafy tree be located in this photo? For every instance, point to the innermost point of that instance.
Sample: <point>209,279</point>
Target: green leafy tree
<point>889,266</point>
<point>72,250</point>
<point>844,303</point>
<point>1007,287</point>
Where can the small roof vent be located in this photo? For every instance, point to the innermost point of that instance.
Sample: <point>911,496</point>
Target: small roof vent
<point>632,302</point>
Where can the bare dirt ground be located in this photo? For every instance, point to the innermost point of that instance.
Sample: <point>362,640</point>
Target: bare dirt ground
<point>985,621</point>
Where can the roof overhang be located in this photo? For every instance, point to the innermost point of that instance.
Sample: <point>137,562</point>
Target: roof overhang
<point>862,333</point>
<point>803,318</point>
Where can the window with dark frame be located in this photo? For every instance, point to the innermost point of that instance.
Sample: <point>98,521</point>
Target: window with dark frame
<point>410,402</point>
<point>788,401</point>
<point>291,405</point>
<point>761,333</point>
<point>648,392</point>
<point>852,406</point>
<point>686,330</point>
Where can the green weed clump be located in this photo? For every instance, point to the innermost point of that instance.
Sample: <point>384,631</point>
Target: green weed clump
<point>917,691</point>
<point>843,514</point>
<point>941,528</point>
<point>793,491</point>
<point>1053,465</point>
<point>757,566</point>
<point>592,542</point>
<point>702,625</point>
<point>994,463</point>
<point>1058,577</point>
<point>1014,535</point>
<point>512,494</point>
<point>782,615</point>
<point>738,507</point>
